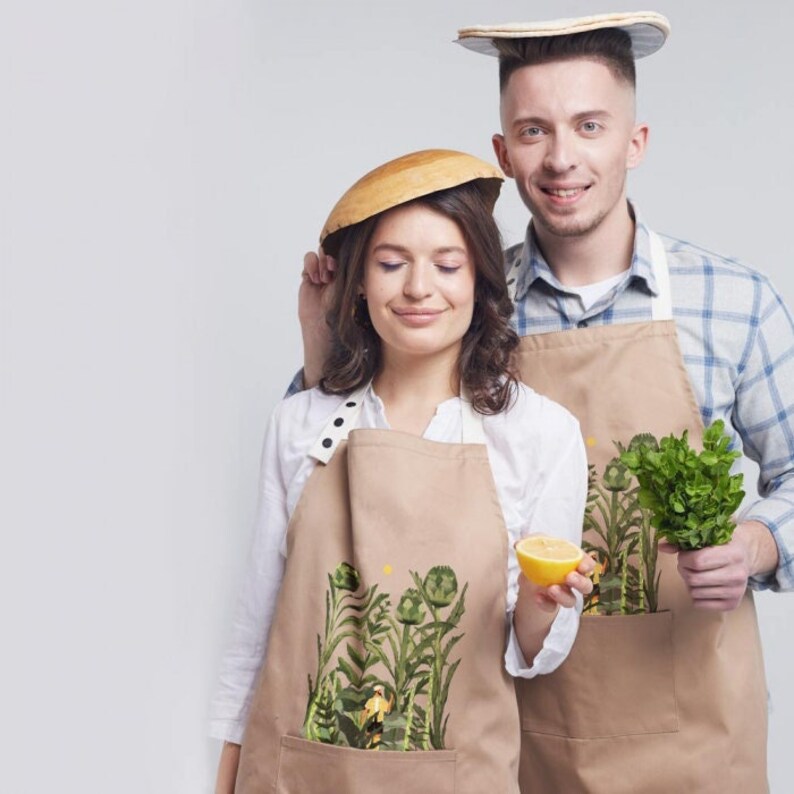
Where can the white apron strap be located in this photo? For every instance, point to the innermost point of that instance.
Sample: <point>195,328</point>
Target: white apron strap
<point>662,304</point>
<point>338,426</point>
<point>472,431</point>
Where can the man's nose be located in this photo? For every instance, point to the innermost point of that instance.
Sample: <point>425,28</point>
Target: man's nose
<point>561,154</point>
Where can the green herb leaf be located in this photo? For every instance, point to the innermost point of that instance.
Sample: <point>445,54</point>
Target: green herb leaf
<point>692,496</point>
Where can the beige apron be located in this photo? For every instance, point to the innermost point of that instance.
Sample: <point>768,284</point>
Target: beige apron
<point>672,702</point>
<point>385,665</point>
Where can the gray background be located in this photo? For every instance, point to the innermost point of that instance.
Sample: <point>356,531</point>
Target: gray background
<point>164,167</point>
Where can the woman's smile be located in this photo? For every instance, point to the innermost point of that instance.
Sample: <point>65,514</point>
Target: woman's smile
<point>416,316</point>
<point>419,284</point>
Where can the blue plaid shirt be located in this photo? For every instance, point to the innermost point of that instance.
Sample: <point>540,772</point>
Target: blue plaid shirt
<point>737,341</point>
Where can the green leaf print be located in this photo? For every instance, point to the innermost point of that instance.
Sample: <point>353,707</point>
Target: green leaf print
<point>396,662</point>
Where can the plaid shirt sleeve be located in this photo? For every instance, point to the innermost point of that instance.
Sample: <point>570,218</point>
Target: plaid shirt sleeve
<point>296,385</point>
<point>763,414</point>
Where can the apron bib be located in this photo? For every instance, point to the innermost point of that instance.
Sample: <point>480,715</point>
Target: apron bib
<point>385,665</point>
<point>669,701</point>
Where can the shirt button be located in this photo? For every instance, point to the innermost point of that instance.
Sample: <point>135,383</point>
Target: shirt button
<point>581,324</point>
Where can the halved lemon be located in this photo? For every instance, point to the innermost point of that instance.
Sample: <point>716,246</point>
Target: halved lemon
<point>546,561</point>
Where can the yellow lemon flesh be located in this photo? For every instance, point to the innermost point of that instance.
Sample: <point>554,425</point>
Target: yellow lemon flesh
<point>546,561</point>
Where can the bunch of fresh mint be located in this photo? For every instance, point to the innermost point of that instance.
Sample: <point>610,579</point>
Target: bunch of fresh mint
<point>691,496</point>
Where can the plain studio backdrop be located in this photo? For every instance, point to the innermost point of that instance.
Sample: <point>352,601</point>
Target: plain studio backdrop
<point>164,167</point>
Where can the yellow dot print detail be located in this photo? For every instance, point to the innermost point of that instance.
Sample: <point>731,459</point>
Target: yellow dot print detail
<point>387,569</point>
<point>590,441</point>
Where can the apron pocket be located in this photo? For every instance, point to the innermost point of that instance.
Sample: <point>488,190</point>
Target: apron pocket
<point>305,766</point>
<point>617,681</point>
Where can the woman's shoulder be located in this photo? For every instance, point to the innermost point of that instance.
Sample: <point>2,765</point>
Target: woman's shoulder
<point>304,415</point>
<point>295,425</point>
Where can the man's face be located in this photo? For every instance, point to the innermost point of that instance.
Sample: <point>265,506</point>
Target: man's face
<point>568,138</point>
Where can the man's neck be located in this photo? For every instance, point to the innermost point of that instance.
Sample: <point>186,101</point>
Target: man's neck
<point>589,258</point>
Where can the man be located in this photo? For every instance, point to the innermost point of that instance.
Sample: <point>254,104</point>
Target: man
<point>637,334</point>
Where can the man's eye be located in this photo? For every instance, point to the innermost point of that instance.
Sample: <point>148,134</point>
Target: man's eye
<point>531,132</point>
<point>591,126</point>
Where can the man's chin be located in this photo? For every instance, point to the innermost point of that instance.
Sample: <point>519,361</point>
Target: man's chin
<point>566,227</point>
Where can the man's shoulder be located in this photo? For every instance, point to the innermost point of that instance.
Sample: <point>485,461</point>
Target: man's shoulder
<point>687,258</point>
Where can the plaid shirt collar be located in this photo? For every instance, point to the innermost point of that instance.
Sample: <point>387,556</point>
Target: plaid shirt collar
<point>533,265</point>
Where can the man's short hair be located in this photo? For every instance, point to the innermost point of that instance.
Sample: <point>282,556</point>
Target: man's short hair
<point>609,46</point>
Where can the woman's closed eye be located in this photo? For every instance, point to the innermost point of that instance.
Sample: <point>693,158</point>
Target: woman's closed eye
<point>390,265</point>
<point>447,267</point>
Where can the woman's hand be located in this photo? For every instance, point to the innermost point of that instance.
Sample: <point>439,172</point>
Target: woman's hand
<point>537,606</point>
<point>562,595</point>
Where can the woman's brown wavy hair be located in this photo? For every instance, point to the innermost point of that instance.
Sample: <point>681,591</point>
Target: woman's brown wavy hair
<point>485,364</point>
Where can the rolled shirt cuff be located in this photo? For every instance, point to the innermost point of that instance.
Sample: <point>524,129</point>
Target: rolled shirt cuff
<point>227,731</point>
<point>556,646</point>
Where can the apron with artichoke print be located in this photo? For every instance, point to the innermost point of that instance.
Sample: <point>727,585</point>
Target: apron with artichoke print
<point>385,664</point>
<point>655,696</point>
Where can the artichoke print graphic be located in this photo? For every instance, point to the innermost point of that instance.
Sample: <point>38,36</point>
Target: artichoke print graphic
<point>626,580</point>
<point>384,672</point>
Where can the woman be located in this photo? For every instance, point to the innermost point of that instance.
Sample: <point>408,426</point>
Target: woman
<point>383,589</point>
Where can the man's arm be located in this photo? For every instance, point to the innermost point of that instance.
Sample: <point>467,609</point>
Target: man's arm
<point>763,414</point>
<point>761,552</point>
<point>313,298</point>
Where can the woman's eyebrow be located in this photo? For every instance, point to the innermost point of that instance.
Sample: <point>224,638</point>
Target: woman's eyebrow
<point>447,249</point>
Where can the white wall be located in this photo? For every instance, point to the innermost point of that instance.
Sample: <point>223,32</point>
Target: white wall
<point>164,167</point>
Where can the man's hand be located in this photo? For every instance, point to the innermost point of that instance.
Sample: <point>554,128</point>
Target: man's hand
<point>319,268</point>
<point>716,576</point>
<point>313,300</point>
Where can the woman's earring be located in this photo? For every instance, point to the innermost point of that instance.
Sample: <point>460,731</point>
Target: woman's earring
<point>361,313</point>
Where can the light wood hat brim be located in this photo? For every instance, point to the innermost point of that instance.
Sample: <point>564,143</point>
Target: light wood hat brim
<point>647,29</point>
<point>411,177</point>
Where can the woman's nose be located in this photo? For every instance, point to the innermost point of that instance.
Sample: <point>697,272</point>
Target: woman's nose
<point>417,281</point>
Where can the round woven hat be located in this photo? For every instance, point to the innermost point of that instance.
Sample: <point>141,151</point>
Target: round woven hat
<point>410,177</point>
<point>647,29</point>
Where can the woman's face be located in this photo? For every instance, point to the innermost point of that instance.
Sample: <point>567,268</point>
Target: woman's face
<point>419,283</point>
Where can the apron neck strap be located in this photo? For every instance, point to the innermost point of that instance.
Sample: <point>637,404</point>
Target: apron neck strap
<point>661,304</point>
<point>472,431</point>
<point>344,419</point>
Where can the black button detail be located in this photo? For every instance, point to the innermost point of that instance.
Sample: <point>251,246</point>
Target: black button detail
<point>339,422</point>
<point>327,442</point>
<point>581,324</point>
<point>350,405</point>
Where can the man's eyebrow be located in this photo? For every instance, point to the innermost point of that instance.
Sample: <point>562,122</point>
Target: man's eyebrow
<point>592,114</point>
<point>582,114</point>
